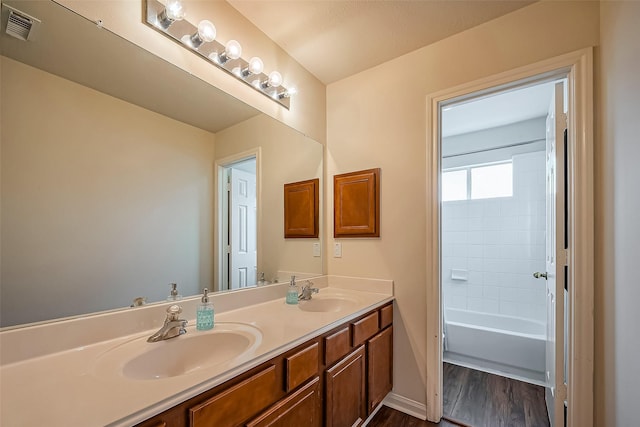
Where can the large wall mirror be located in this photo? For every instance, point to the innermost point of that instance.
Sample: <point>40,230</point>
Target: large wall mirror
<point>116,173</point>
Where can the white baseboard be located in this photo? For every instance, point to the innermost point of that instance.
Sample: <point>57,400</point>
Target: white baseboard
<point>408,406</point>
<point>373,414</point>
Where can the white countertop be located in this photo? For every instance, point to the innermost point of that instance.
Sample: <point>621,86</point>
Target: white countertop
<point>63,388</point>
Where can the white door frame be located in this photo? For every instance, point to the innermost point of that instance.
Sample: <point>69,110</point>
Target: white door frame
<point>578,68</point>
<point>220,215</point>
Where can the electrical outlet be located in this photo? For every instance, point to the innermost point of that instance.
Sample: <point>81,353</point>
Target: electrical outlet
<point>337,250</point>
<point>316,249</point>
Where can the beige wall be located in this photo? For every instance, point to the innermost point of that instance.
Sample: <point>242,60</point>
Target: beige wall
<point>617,205</point>
<point>308,108</point>
<point>97,194</point>
<point>287,156</point>
<point>378,119</point>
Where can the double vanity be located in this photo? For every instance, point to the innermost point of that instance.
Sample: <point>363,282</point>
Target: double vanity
<point>326,361</point>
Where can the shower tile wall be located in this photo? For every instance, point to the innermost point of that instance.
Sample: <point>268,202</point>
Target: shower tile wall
<point>499,242</point>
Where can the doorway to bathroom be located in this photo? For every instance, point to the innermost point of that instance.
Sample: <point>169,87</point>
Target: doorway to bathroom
<point>237,218</point>
<point>498,190</point>
<point>486,200</point>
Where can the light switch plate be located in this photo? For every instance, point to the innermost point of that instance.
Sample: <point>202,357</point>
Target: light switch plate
<point>337,250</point>
<point>316,249</point>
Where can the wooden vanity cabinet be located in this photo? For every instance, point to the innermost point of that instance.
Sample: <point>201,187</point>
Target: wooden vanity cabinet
<point>345,391</point>
<point>380,367</point>
<point>334,380</point>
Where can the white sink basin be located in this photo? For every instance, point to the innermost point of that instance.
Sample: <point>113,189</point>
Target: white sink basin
<point>138,359</point>
<point>328,304</point>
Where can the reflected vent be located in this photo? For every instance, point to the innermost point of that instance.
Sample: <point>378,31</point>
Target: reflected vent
<point>19,24</point>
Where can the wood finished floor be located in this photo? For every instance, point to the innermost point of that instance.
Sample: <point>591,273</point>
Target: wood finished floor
<point>478,399</point>
<point>387,417</point>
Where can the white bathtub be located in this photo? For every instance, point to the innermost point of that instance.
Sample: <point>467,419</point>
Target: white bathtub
<point>507,345</point>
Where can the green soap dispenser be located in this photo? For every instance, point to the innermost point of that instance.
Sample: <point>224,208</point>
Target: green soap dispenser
<point>204,313</point>
<point>292,292</point>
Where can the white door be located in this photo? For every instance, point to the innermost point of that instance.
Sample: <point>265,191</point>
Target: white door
<point>556,257</point>
<point>242,226</point>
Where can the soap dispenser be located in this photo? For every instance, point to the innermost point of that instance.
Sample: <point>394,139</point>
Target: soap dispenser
<point>173,294</point>
<point>262,280</point>
<point>292,291</point>
<point>204,313</point>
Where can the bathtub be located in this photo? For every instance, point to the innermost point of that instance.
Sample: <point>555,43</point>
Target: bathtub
<point>506,345</point>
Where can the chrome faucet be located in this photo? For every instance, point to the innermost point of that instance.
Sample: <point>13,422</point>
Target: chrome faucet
<point>173,326</point>
<point>307,291</point>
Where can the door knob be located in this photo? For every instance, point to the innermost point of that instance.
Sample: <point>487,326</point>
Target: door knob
<point>538,275</point>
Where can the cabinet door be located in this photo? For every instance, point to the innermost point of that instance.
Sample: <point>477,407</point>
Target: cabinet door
<point>345,391</point>
<point>380,372</point>
<point>301,408</point>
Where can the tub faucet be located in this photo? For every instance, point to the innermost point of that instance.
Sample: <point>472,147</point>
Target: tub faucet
<point>307,291</point>
<point>173,326</point>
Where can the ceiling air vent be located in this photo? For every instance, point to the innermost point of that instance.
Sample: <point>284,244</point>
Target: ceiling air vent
<point>19,24</point>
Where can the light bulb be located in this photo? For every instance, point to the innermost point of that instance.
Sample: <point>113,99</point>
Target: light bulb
<point>275,79</point>
<point>232,49</point>
<point>287,93</point>
<point>175,10</point>
<point>206,33</point>
<point>255,65</point>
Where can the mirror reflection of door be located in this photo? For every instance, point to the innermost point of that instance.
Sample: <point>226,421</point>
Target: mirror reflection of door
<point>239,224</point>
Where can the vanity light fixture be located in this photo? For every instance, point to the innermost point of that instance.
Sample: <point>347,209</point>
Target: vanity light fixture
<point>274,80</point>
<point>168,19</point>
<point>288,93</point>
<point>256,66</point>
<point>206,33</point>
<point>232,50</point>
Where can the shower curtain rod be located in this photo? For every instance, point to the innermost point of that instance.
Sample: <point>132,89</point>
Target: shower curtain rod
<point>517,144</point>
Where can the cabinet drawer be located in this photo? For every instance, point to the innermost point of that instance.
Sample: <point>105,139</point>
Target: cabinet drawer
<point>301,408</point>
<point>386,316</point>
<point>336,345</point>
<point>364,328</point>
<point>238,403</point>
<point>301,366</point>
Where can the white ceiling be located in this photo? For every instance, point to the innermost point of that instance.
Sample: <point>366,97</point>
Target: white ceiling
<point>336,39</point>
<point>497,110</point>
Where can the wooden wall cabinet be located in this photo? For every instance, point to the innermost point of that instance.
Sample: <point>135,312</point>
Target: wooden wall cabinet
<point>334,380</point>
<point>301,209</point>
<point>356,204</point>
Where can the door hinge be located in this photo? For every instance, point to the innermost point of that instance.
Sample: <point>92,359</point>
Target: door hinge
<point>561,392</point>
<point>562,257</point>
<point>228,249</point>
<point>228,186</point>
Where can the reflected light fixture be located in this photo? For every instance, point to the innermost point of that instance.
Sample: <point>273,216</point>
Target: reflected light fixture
<point>168,19</point>
<point>173,11</point>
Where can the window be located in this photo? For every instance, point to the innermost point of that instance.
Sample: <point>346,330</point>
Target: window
<point>454,185</point>
<point>492,181</point>
<point>478,182</point>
